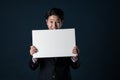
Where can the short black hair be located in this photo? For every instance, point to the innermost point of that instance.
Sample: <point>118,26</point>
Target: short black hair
<point>55,11</point>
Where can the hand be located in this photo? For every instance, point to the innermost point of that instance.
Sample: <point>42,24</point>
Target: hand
<point>75,51</point>
<point>33,50</point>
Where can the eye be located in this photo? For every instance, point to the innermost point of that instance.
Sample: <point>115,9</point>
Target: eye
<point>51,21</point>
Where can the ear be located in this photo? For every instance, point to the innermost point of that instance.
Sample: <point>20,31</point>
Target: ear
<point>46,20</point>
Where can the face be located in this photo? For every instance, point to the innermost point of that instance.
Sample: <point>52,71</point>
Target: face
<point>53,22</point>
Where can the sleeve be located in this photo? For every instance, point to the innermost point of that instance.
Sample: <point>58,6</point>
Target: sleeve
<point>33,64</point>
<point>74,60</point>
<point>75,64</point>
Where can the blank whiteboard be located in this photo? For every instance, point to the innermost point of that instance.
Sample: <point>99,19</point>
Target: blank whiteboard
<point>53,43</point>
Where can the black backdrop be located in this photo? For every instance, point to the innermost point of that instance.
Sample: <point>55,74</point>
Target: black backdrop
<point>96,33</point>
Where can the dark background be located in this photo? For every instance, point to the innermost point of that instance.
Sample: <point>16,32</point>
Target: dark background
<point>96,23</point>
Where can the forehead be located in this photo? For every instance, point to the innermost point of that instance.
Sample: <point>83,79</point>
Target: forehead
<point>53,17</point>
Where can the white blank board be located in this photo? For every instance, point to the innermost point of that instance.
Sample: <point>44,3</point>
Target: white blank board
<point>53,43</point>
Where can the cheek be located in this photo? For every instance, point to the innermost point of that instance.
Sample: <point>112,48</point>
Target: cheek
<point>59,25</point>
<point>48,24</point>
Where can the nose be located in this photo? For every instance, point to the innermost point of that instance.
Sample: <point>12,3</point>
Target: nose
<point>54,26</point>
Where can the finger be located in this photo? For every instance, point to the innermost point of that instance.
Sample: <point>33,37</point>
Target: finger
<point>74,51</point>
<point>36,51</point>
<point>78,51</point>
<point>33,51</point>
<point>33,47</point>
<point>75,47</point>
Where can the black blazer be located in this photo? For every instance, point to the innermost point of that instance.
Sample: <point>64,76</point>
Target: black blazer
<point>54,68</point>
